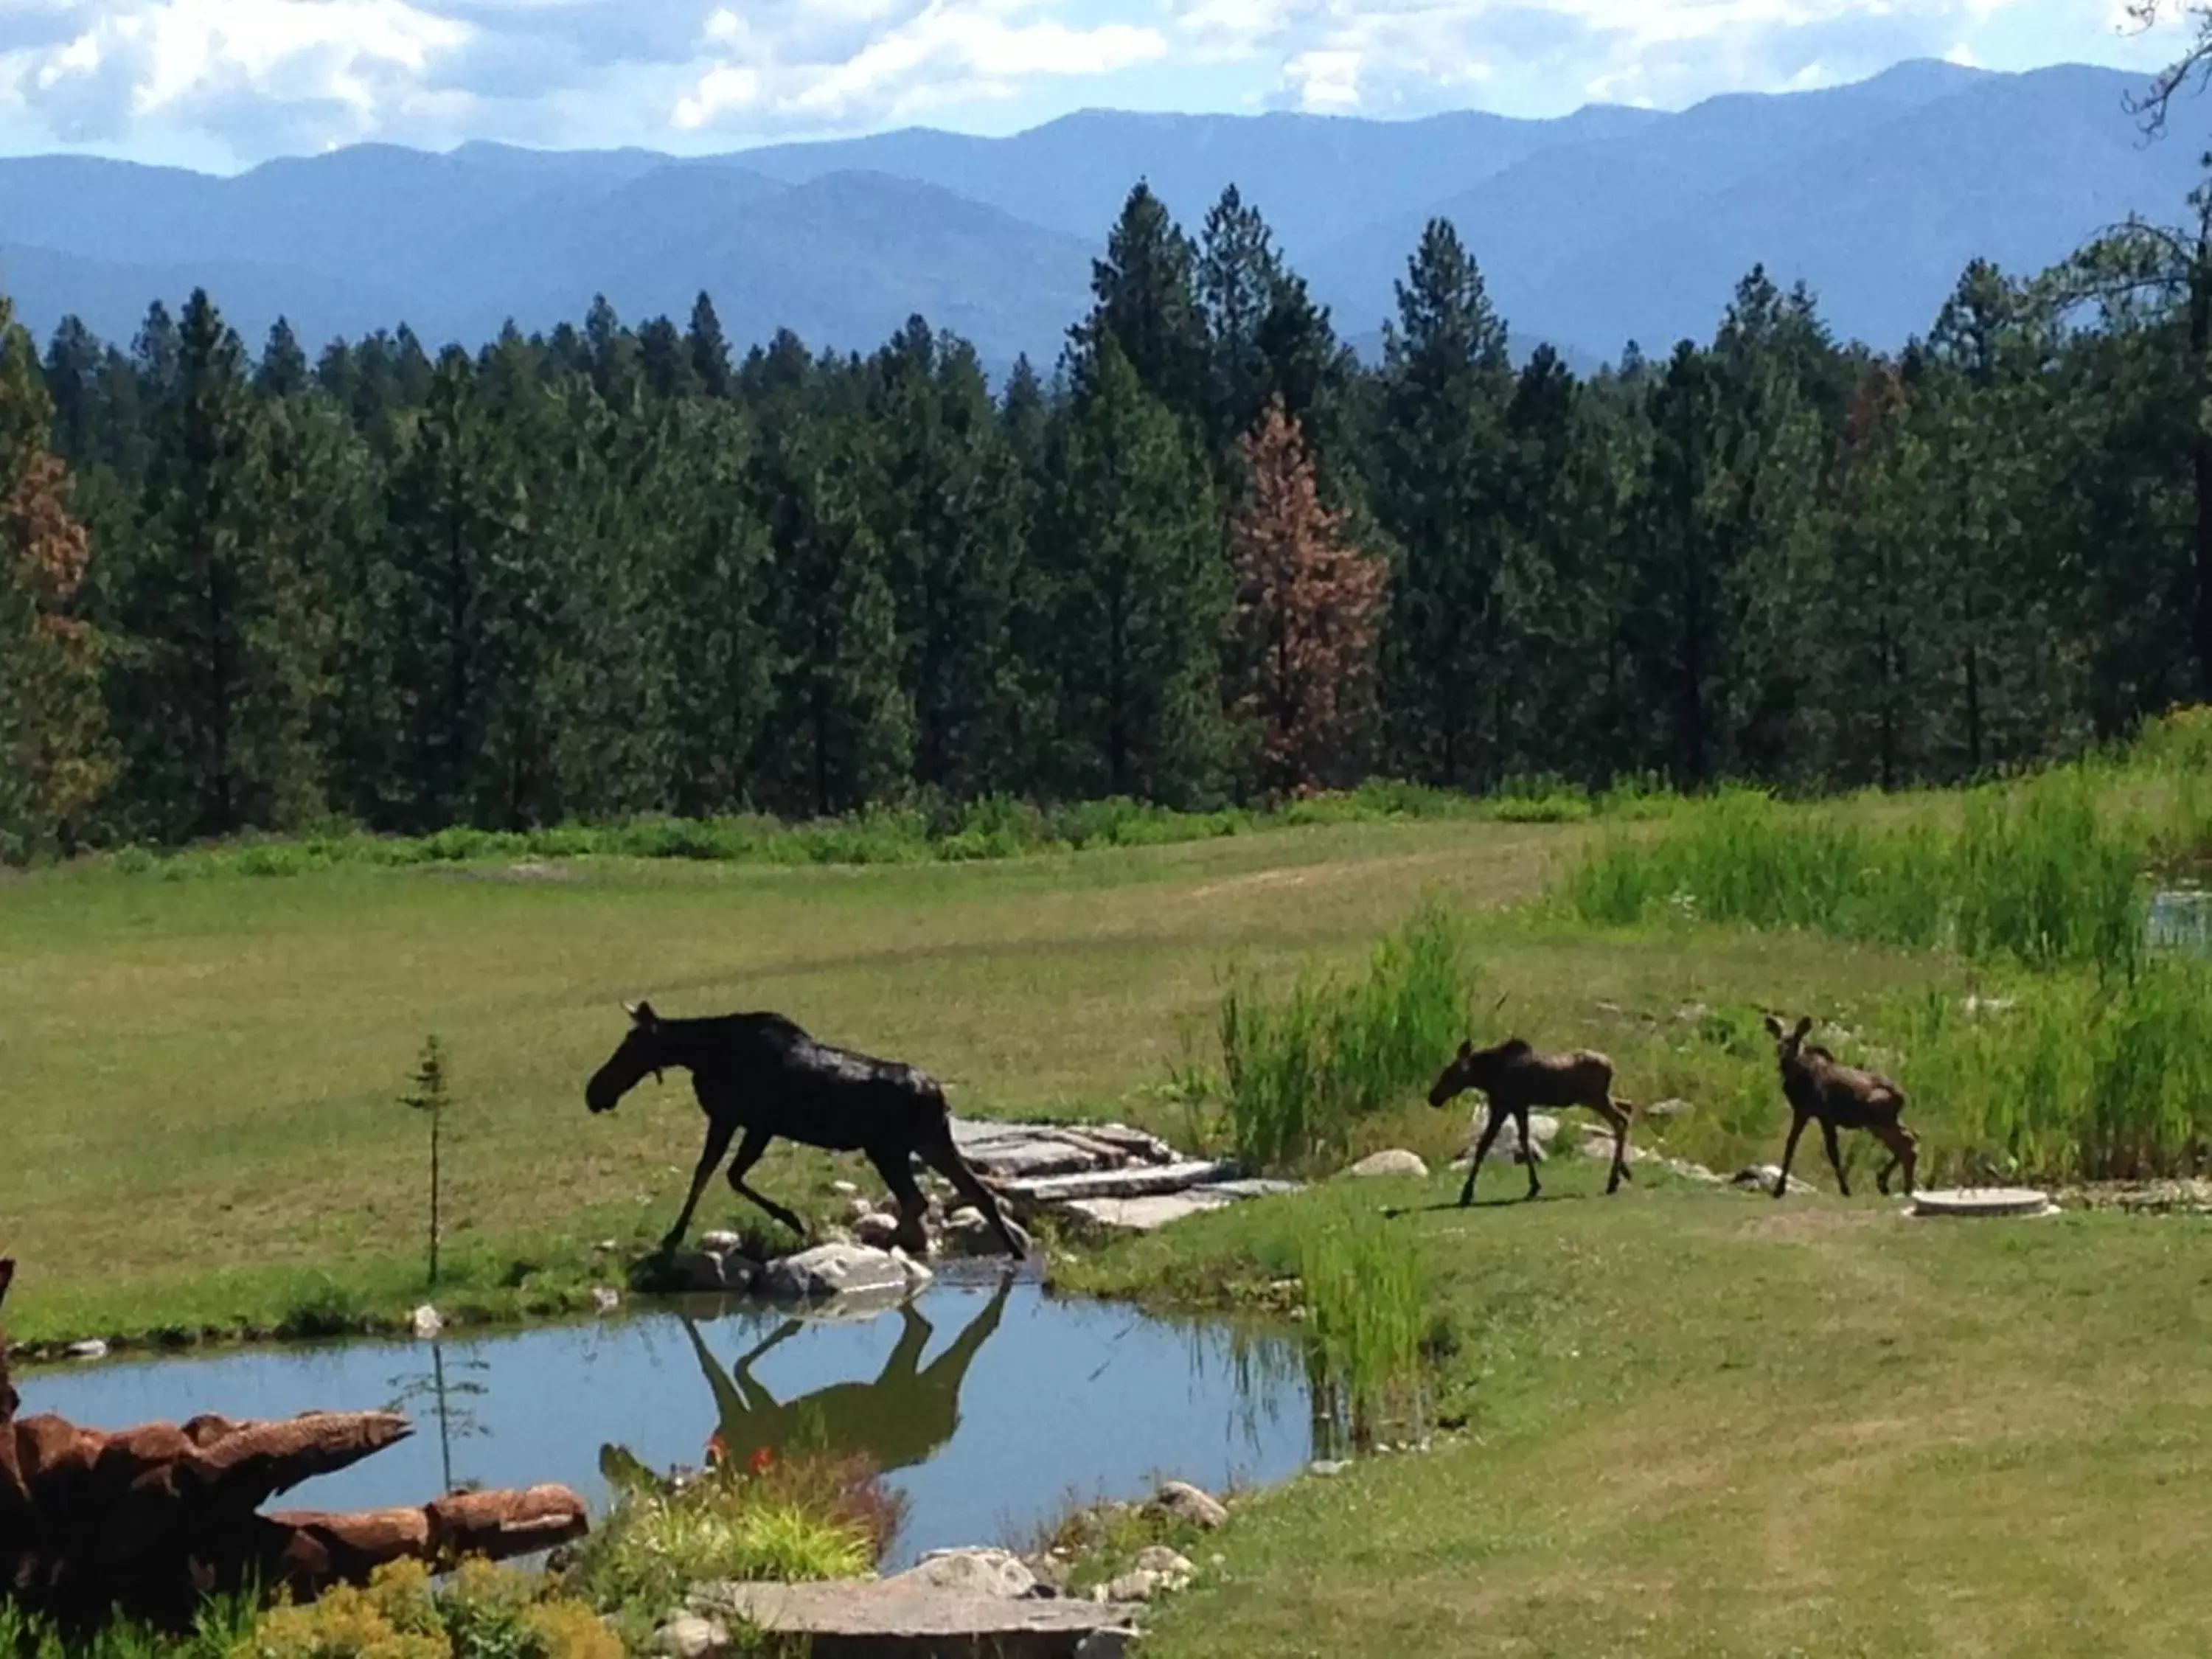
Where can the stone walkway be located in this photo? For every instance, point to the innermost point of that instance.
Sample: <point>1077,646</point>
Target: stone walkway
<point>1109,1175</point>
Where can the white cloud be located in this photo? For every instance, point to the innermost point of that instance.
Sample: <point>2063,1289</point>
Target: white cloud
<point>1385,57</point>
<point>254,78</point>
<point>350,65</point>
<point>853,61</point>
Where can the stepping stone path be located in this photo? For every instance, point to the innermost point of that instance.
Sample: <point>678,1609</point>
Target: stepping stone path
<point>1107,1174</point>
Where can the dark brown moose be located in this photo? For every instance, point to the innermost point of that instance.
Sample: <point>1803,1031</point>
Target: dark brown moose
<point>762,1073</point>
<point>1818,1086</point>
<point>148,1520</point>
<point>1516,1077</point>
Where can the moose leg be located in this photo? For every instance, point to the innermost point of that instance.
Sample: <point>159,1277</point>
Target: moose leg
<point>1902,1149</point>
<point>1528,1148</point>
<point>1788,1152</point>
<point>942,1156</point>
<point>1617,1114</point>
<point>896,1168</point>
<point>719,1131</point>
<point>1835,1156</point>
<point>1481,1146</point>
<point>749,1153</point>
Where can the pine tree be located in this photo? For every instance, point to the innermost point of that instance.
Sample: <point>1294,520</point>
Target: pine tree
<point>949,511</point>
<point>283,369</point>
<point>710,348</point>
<point>1136,595</point>
<point>1147,300</point>
<point>1440,463</point>
<point>1308,606</point>
<point>841,733</point>
<point>56,758</point>
<point>216,696</point>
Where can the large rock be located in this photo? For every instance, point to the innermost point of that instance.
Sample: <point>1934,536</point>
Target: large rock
<point>1395,1162</point>
<point>1543,1129</point>
<point>971,1572</point>
<point>1181,1501</point>
<point>966,1233</point>
<point>1761,1177</point>
<point>830,1270</point>
<point>713,1272</point>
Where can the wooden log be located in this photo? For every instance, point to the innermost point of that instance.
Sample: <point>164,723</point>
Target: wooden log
<point>146,1520</point>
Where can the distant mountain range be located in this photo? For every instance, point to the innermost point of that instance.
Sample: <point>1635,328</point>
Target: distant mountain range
<point>1592,229</point>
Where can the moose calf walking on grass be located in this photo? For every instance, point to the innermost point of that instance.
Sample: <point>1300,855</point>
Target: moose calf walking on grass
<point>1516,1077</point>
<point>1818,1086</point>
<point>761,1072</point>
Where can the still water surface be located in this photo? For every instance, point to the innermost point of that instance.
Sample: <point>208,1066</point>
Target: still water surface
<point>985,1401</point>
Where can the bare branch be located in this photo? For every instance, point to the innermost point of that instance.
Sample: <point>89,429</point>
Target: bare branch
<point>2150,106</point>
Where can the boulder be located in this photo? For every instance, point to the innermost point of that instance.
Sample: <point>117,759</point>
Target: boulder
<point>687,1636</point>
<point>1543,1129</point>
<point>972,1572</point>
<point>876,1229</point>
<point>1175,1569</point>
<point>1179,1500</point>
<point>828,1270</point>
<point>965,1233</point>
<point>1395,1162</point>
<point>1760,1178</point>
<point>713,1272</point>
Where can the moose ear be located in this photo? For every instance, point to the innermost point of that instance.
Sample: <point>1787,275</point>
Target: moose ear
<point>1773,1026</point>
<point>1466,1047</point>
<point>6,1274</point>
<point>642,1014</point>
<point>1803,1026</point>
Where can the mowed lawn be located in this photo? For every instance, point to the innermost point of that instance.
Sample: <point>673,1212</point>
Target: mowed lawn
<point>1703,1423</point>
<point>203,1074</point>
<point>204,1132</point>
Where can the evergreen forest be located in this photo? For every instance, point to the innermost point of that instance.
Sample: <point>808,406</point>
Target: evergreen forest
<point>1208,557</point>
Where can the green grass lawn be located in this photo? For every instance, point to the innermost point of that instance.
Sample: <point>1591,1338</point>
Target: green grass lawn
<point>204,1132</point>
<point>1702,1422</point>
<point>1693,1421</point>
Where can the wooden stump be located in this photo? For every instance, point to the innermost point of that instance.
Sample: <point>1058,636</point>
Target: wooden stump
<point>147,1520</point>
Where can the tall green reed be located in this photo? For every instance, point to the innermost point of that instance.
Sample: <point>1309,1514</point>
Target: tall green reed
<point>1300,1068</point>
<point>2034,873</point>
<point>1364,1298</point>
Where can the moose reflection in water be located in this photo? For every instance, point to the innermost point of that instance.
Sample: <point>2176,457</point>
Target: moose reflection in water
<point>899,1420</point>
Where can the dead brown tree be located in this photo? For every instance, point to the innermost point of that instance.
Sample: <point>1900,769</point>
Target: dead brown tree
<point>1820,1087</point>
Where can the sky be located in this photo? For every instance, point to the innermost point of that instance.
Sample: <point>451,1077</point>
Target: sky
<point>223,84</point>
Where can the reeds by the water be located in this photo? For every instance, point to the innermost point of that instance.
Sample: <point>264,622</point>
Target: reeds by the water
<point>1364,1309</point>
<point>1299,1069</point>
<point>2096,1063</point>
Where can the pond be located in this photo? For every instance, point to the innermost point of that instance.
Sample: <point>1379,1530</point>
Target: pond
<point>2181,919</point>
<point>987,1402</point>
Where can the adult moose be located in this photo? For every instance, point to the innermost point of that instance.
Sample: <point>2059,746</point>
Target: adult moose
<point>1818,1086</point>
<point>1516,1077</point>
<point>762,1073</point>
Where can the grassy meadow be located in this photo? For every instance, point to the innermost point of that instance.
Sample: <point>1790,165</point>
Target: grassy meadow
<point>1683,1419</point>
<point>207,1062</point>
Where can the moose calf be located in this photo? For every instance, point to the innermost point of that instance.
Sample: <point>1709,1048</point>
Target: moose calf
<point>1516,1077</point>
<point>1818,1086</point>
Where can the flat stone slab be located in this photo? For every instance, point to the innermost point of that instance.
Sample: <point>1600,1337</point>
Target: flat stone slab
<point>1144,1215</point>
<point>877,1618</point>
<point>1135,1183</point>
<point>1028,1150</point>
<point>1983,1202</point>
